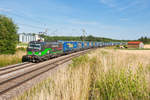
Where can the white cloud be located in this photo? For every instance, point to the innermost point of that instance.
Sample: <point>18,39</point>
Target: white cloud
<point>124,19</point>
<point>134,3</point>
<point>76,21</point>
<point>110,3</point>
<point>5,10</point>
<point>124,5</point>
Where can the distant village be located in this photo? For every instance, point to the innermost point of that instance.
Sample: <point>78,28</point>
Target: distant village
<point>27,37</point>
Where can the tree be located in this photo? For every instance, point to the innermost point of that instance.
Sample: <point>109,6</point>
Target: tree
<point>81,38</point>
<point>8,35</point>
<point>90,38</point>
<point>145,39</point>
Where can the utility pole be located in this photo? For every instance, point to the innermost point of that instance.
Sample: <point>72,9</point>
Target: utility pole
<point>46,30</point>
<point>54,33</point>
<point>84,34</point>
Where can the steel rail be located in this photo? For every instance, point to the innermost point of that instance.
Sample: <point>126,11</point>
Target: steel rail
<point>9,70</point>
<point>13,66</point>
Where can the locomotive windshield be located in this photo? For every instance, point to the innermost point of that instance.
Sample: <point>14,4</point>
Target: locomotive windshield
<point>34,46</point>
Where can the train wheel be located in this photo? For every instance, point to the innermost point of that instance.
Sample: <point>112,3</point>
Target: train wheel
<point>24,59</point>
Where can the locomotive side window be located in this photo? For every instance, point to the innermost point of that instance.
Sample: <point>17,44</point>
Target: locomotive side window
<point>54,45</point>
<point>60,45</point>
<point>79,44</point>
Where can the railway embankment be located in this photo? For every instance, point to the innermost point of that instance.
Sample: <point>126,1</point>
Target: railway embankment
<point>100,75</point>
<point>14,80</point>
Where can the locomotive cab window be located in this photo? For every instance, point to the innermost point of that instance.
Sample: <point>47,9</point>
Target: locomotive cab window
<point>34,46</point>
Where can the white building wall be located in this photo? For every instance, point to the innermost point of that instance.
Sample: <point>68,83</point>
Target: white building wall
<point>20,37</point>
<point>141,45</point>
<point>26,38</point>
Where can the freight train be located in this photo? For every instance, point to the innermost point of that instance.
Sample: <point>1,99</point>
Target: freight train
<point>38,51</point>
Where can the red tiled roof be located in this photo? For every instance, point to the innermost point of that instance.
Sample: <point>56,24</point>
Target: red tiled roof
<point>135,42</point>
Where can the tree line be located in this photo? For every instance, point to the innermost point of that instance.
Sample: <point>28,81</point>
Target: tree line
<point>79,38</point>
<point>145,40</point>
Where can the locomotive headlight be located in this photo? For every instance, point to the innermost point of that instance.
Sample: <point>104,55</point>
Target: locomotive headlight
<point>39,53</point>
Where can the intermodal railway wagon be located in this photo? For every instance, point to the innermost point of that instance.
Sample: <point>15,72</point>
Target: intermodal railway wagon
<point>38,51</point>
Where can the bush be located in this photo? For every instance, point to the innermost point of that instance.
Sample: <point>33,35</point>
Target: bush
<point>117,46</point>
<point>125,46</point>
<point>79,60</point>
<point>21,49</point>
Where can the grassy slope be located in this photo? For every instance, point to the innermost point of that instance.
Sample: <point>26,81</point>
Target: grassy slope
<point>105,74</point>
<point>6,60</point>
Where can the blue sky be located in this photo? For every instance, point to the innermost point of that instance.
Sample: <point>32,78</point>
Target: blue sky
<point>118,19</point>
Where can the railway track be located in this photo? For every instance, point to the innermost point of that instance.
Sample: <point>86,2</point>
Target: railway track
<point>12,77</point>
<point>13,66</point>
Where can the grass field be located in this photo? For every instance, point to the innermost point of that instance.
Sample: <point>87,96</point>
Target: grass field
<point>122,75</point>
<point>105,74</point>
<point>147,46</point>
<point>6,60</point>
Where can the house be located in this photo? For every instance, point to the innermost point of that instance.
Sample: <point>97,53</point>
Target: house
<point>135,44</point>
<point>26,38</point>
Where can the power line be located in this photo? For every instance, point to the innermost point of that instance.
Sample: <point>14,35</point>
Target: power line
<point>32,26</point>
<point>26,17</point>
<point>22,16</point>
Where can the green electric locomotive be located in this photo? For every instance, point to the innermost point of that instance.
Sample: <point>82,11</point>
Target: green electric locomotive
<point>39,51</point>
